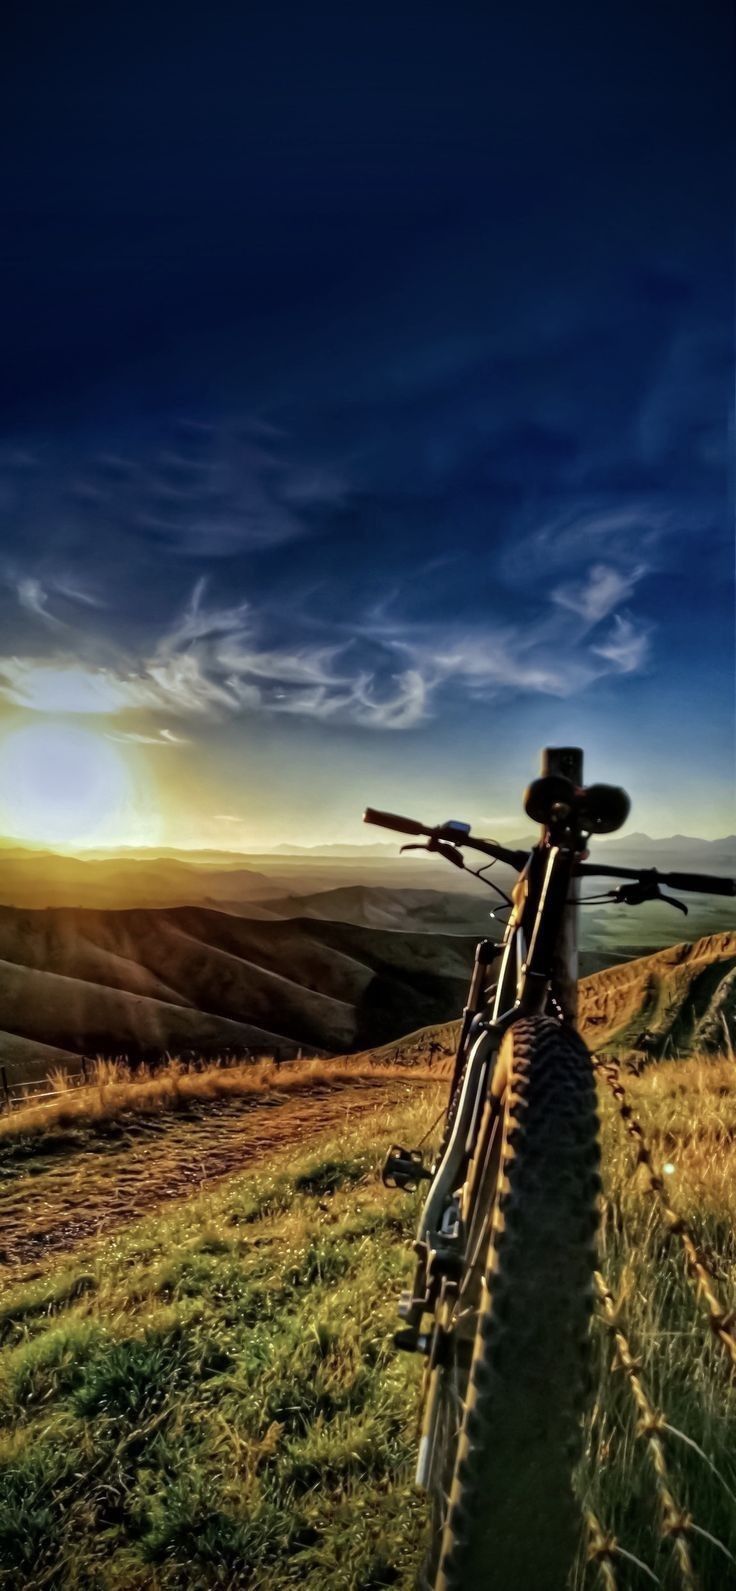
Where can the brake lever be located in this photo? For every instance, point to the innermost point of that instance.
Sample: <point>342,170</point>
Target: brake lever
<point>439,848</point>
<point>670,901</point>
<point>636,894</point>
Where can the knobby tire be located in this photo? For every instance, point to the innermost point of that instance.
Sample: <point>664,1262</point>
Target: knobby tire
<point>508,1432</point>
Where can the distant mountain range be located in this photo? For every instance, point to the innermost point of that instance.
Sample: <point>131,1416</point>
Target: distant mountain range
<point>408,894</point>
<point>684,846</point>
<point>387,849</point>
<point>680,844</point>
<point>50,879</point>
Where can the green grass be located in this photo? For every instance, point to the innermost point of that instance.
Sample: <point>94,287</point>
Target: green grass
<point>209,1398</point>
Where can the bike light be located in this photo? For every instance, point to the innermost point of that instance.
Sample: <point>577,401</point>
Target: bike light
<point>603,808</point>
<point>543,795</point>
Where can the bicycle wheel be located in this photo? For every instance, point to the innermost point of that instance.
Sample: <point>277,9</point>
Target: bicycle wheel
<point>509,1379</point>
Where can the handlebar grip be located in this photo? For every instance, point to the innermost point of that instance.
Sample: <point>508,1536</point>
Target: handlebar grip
<point>700,882</point>
<point>390,820</point>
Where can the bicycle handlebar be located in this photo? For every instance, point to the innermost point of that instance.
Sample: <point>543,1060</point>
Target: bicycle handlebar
<point>699,883</point>
<point>445,831</point>
<point>390,820</point>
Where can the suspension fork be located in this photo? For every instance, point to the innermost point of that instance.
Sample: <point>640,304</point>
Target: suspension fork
<point>486,953</point>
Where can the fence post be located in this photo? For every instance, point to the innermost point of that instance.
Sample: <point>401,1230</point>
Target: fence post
<point>6,1090</point>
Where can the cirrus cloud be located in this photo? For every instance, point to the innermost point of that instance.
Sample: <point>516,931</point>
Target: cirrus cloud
<point>227,660</point>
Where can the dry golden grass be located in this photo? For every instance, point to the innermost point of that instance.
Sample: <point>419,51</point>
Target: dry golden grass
<point>113,1091</point>
<point>687,1111</point>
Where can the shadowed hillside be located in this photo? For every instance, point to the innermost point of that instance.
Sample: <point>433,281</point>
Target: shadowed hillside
<point>379,906</point>
<point>143,982</point>
<point>147,981</point>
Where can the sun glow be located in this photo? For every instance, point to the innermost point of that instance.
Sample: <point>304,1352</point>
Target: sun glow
<point>62,785</point>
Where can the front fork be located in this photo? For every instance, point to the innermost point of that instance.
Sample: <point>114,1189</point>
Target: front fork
<point>477,1002</point>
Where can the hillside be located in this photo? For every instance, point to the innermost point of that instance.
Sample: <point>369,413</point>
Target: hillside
<point>40,879</point>
<point>148,981</point>
<point>143,982</point>
<point>399,907</point>
<point>683,997</point>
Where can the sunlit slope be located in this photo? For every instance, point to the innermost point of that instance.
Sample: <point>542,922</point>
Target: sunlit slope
<point>684,997</point>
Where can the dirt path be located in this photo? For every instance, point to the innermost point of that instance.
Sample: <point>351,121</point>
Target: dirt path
<point>50,1200</point>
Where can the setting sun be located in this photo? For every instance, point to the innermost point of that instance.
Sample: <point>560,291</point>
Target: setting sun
<point>64,786</point>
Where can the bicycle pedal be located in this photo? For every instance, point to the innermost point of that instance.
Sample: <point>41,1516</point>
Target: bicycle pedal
<point>405,1169</point>
<point>412,1341</point>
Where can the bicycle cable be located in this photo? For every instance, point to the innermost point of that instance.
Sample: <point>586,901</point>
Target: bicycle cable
<point>477,872</point>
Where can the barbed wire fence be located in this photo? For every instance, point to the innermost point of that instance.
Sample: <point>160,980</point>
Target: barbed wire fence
<point>721,1320</point>
<point>676,1526</point>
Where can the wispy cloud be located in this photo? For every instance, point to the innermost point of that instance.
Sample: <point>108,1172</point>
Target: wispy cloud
<point>227,489</point>
<point>162,737</point>
<point>63,686</point>
<point>34,599</point>
<point>75,593</point>
<point>626,647</point>
<point>34,595</point>
<point>225,660</point>
<point>603,589</point>
<point>624,538</point>
<point>198,623</point>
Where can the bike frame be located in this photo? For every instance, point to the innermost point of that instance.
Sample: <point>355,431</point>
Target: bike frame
<point>538,973</point>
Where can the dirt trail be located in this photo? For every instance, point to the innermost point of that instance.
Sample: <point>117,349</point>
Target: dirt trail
<point>53,1198</point>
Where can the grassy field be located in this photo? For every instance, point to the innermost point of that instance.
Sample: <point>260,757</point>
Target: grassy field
<point>209,1397</point>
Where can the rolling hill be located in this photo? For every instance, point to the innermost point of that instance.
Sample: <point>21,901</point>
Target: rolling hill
<point>380,906</point>
<point>139,982</point>
<point>37,879</point>
<point>683,998</point>
<point>142,982</point>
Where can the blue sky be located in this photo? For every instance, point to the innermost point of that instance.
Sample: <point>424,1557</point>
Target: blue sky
<point>366,407</point>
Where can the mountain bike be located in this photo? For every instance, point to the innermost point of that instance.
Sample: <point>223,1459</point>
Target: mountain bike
<point>502,1296</point>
